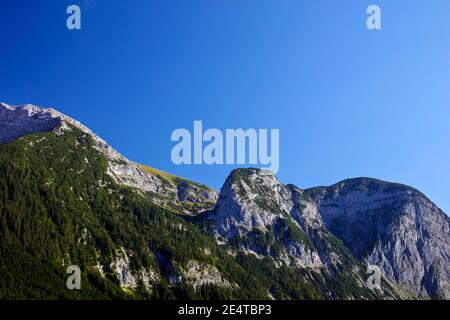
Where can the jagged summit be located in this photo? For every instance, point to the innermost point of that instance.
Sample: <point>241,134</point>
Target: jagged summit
<point>18,121</point>
<point>390,225</point>
<point>253,201</point>
<point>26,119</point>
<point>183,196</point>
<point>250,199</point>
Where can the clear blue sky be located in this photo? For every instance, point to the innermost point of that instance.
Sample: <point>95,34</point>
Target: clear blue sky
<point>348,102</point>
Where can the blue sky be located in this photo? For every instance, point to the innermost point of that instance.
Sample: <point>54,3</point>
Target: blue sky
<point>348,102</point>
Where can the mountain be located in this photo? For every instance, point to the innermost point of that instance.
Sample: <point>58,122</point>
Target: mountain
<point>176,193</point>
<point>67,197</point>
<point>259,215</point>
<point>394,227</point>
<point>64,202</point>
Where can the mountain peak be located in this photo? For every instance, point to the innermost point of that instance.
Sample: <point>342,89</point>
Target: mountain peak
<point>393,226</point>
<point>249,200</point>
<point>390,225</point>
<point>15,122</point>
<point>22,120</point>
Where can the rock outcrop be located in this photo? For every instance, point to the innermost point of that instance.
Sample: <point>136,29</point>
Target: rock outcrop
<point>271,219</point>
<point>18,122</point>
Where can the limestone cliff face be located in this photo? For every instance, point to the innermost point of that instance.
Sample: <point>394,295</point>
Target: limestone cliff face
<point>16,122</point>
<point>394,227</point>
<point>250,200</point>
<point>389,225</point>
<point>272,219</point>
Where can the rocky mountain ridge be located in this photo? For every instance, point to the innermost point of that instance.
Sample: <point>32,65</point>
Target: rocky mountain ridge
<point>179,194</point>
<point>328,235</point>
<point>392,226</point>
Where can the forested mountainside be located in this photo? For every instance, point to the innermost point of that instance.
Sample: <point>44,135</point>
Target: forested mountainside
<point>68,198</point>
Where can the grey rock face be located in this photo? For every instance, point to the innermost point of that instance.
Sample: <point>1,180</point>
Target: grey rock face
<point>203,197</point>
<point>195,193</point>
<point>394,227</point>
<point>248,201</point>
<point>252,203</point>
<point>17,122</point>
<point>389,225</point>
<point>304,210</point>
